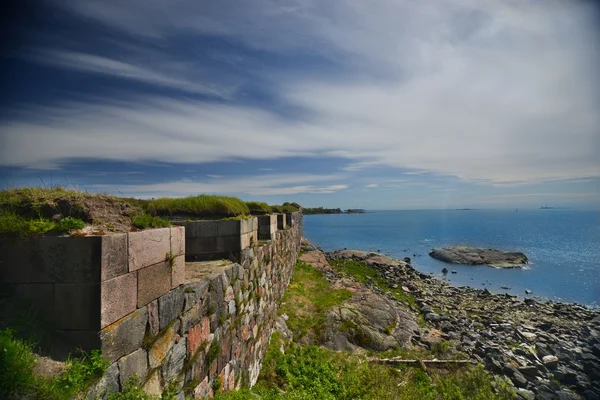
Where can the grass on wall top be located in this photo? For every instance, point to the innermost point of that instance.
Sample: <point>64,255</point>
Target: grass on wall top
<point>202,206</point>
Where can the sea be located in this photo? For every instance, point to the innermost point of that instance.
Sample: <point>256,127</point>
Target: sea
<point>563,246</point>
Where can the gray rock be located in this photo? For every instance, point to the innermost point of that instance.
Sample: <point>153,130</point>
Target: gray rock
<point>125,336</point>
<point>174,363</point>
<point>170,306</point>
<point>525,394</point>
<point>109,383</point>
<point>550,361</point>
<point>134,363</point>
<point>432,317</point>
<point>478,256</point>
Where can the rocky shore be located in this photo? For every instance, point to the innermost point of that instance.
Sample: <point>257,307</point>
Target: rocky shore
<point>548,350</point>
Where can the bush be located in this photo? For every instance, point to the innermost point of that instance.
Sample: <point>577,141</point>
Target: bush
<point>145,221</point>
<point>68,224</point>
<point>18,380</point>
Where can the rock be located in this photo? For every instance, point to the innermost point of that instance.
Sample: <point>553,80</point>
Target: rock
<point>453,271</point>
<point>479,256</point>
<point>444,271</point>
<point>527,291</point>
<point>432,317</point>
<point>525,394</point>
<point>550,361</point>
<point>109,383</point>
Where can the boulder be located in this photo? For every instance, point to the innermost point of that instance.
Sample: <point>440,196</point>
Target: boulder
<point>479,256</point>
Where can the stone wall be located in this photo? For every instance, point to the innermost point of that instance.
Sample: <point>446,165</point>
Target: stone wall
<point>219,239</point>
<point>215,326</point>
<point>76,286</point>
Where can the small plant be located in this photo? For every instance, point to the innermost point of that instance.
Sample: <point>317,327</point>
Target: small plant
<point>68,224</point>
<point>217,384</point>
<point>145,221</point>
<point>213,352</point>
<point>170,258</point>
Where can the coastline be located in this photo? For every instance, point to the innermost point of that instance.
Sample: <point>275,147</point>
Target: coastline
<point>545,348</point>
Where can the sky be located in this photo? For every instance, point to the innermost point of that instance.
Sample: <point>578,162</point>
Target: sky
<point>385,104</point>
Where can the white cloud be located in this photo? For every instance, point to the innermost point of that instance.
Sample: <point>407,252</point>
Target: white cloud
<point>488,91</point>
<point>260,185</point>
<point>371,185</point>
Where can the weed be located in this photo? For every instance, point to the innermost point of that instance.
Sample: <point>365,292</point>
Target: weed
<point>202,206</point>
<point>188,290</point>
<point>170,258</point>
<point>213,352</point>
<point>217,384</point>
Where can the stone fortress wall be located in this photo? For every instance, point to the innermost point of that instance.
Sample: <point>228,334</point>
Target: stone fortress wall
<point>171,322</point>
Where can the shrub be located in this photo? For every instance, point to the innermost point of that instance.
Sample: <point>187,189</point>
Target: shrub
<point>145,221</point>
<point>17,362</point>
<point>68,224</point>
<point>202,205</point>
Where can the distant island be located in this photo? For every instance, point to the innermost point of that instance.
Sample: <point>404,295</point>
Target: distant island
<point>321,210</point>
<point>546,207</point>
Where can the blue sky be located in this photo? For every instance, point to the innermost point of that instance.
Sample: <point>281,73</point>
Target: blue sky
<point>385,104</point>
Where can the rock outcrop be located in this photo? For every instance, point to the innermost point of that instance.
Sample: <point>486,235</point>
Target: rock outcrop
<point>478,256</point>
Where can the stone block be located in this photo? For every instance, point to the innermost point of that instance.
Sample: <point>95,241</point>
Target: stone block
<point>200,245</point>
<point>177,240</point>
<point>118,298</point>
<point>174,362</point>
<point>15,263</point>
<point>114,255</point>
<point>229,228</point>
<point>134,363</point>
<point>226,244</point>
<point>148,247</point>
<point>178,271</point>
<point>65,343</point>
<point>124,336</point>
<point>77,306</point>
<point>153,282</point>
<point>37,298</point>
<point>162,345</point>
<point>206,228</point>
<point>109,383</point>
<point>170,306</point>
<point>281,221</point>
<point>153,324</point>
<point>66,259</point>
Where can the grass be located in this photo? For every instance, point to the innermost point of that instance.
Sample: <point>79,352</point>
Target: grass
<point>362,272</point>
<point>14,225</point>
<point>145,221</point>
<point>259,208</point>
<point>311,373</point>
<point>307,300</point>
<point>17,378</point>
<point>202,206</point>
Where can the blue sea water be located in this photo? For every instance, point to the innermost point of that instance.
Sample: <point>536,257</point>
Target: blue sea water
<point>563,246</point>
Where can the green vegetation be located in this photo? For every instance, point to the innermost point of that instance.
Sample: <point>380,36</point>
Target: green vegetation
<point>14,225</point>
<point>258,208</point>
<point>145,221</point>
<point>68,224</point>
<point>321,210</point>
<point>286,208</point>
<point>132,390</point>
<point>307,300</point>
<point>362,272</point>
<point>202,206</point>
<point>311,373</point>
<point>17,376</point>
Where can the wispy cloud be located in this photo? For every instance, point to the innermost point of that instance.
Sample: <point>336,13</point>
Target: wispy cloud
<point>485,91</point>
<point>371,185</point>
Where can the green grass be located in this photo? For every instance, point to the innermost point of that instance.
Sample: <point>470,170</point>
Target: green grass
<point>308,298</point>
<point>202,206</point>
<point>259,208</point>
<point>361,271</point>
<point>14,225</point>
<point>145,221</point>
<point>311,373</point>
<point>17,378</point>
